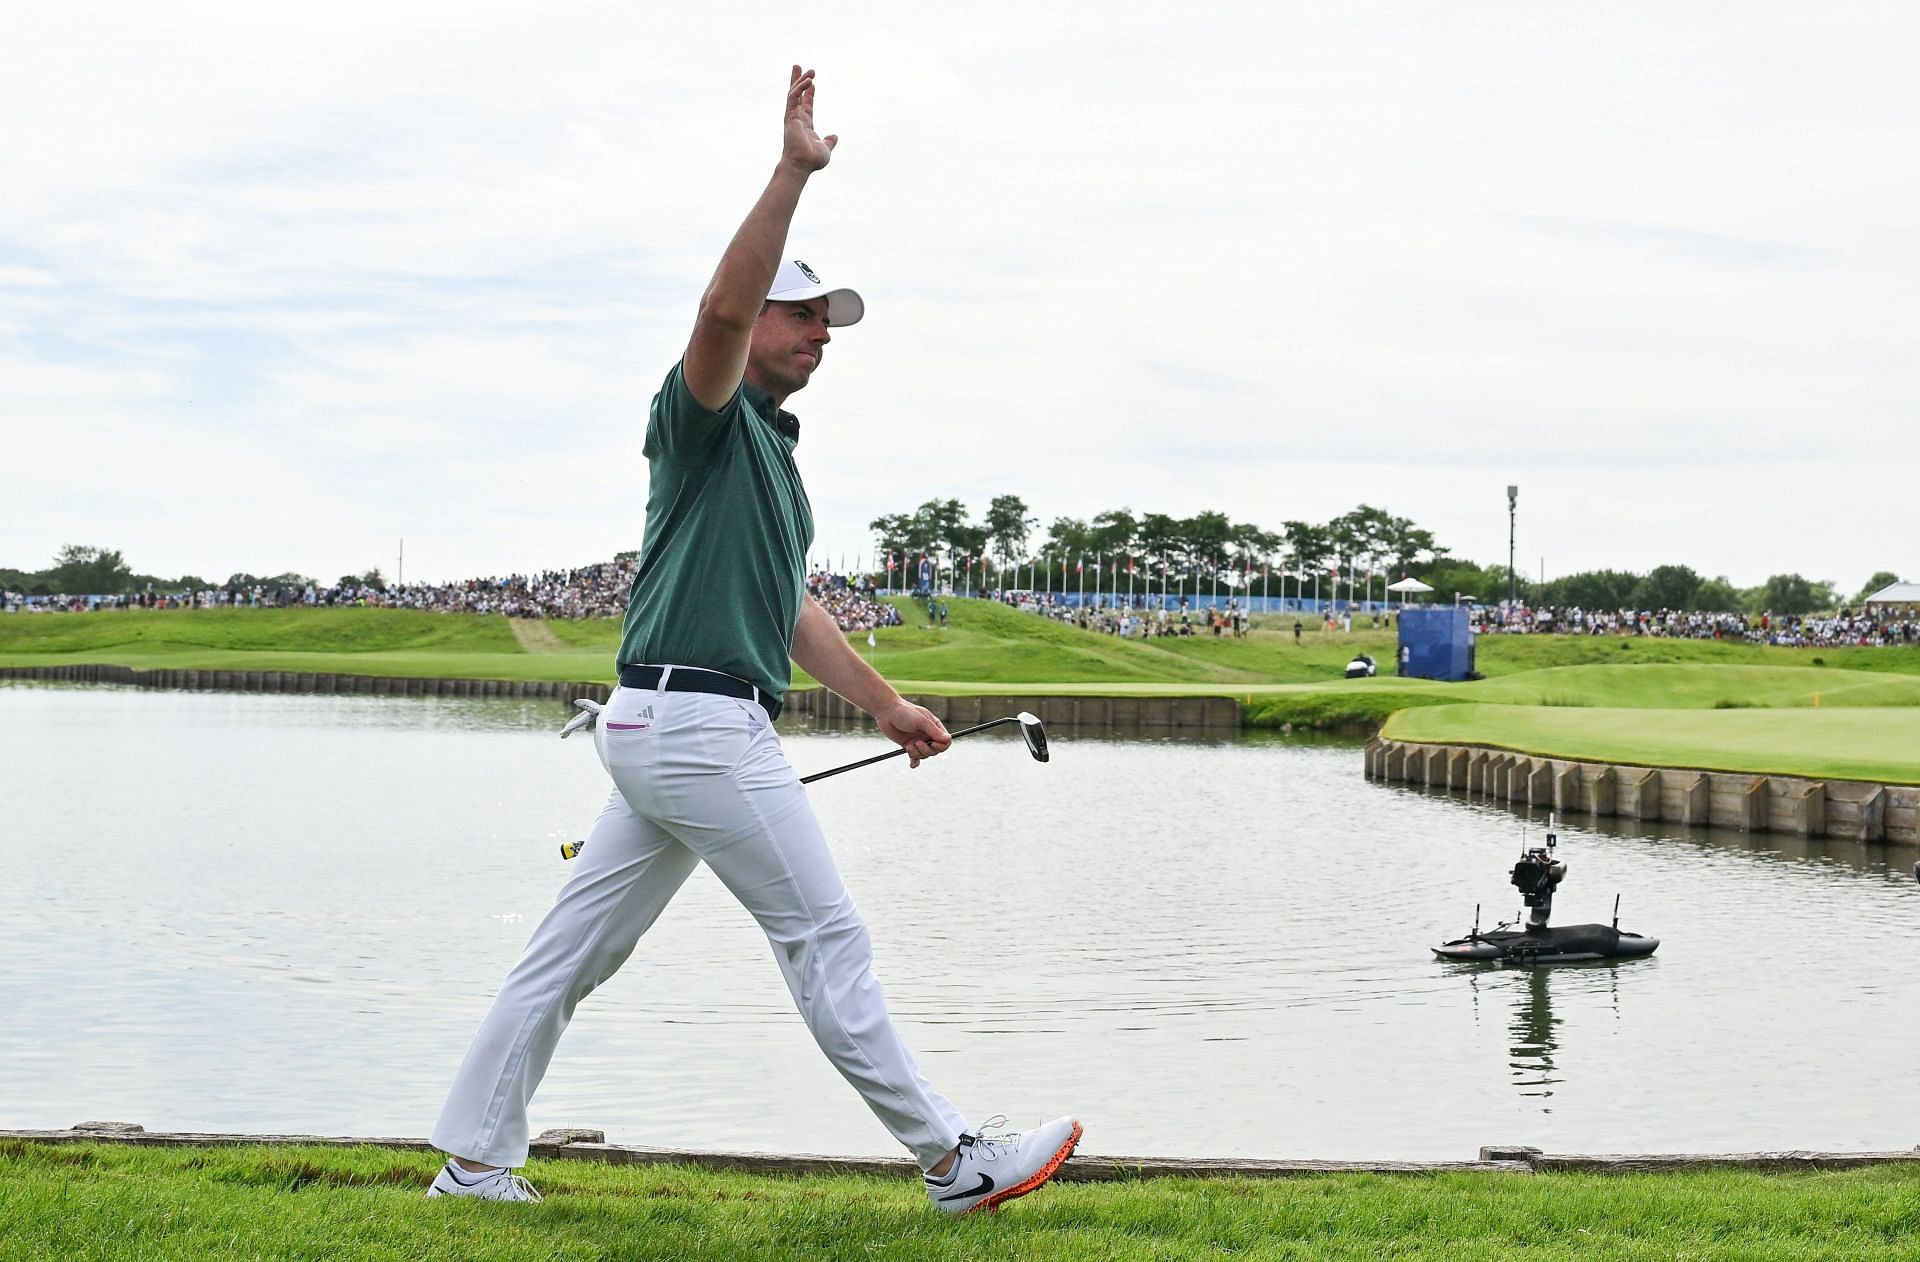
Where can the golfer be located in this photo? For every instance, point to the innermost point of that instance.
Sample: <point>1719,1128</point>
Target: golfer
<point>717,609</point>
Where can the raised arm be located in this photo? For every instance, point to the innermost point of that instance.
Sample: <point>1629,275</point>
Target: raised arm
<point>717,356</point>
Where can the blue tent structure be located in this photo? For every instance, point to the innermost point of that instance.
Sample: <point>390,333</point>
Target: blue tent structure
<point>1436,642</point>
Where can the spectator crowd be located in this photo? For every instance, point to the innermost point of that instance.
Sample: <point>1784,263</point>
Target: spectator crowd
<point>1154,615</point>
<point>593,591</point>
<point>1877,625</point>
<point>852,603</point>
<point>1136,617</point>
<point>600,591</point>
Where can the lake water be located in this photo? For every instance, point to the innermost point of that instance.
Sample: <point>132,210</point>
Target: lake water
<point>266,913</point>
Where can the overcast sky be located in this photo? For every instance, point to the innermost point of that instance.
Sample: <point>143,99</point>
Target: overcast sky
<point>281,286</point>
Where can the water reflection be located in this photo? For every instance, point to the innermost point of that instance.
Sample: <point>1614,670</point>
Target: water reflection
<point>1526,996</point>
<point>1534,1041</point>
<point>1877,860</point>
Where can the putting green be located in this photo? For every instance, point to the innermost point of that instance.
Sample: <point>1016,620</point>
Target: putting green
<point>1855,743</point>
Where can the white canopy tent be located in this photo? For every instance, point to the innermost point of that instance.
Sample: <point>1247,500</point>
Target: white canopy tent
<point>1896,594</point>
<point>1406,586</point>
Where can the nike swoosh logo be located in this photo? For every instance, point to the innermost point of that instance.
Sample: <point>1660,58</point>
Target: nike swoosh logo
<point>986,1185</point>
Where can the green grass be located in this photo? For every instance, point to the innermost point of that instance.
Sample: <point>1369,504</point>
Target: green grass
<point>111,1202</point>
<point>1509,654</point>
<point>1654,686</point>
<point>982,644</point>
<point>137,632</point>
<point>1857,743</point>
<point>1331,709</point>
<point>987,648</point>
<point>402,642</point>
<point>1692,686</point>
<point>600,634</point>
<point>985,641</point>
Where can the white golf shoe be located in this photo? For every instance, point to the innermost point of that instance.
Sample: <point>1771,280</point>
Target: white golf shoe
<point>494,1185</point>
<point>993,1169</point>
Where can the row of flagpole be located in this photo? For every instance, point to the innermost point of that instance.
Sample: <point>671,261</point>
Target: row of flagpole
<point>930,566</point>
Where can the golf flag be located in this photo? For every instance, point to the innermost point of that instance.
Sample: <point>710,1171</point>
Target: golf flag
<point>871,642</point>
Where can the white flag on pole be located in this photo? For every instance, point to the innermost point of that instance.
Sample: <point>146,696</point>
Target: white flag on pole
<point>871,642</point>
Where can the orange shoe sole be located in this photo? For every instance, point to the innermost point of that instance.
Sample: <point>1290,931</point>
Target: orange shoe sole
<point>1038,1177</point>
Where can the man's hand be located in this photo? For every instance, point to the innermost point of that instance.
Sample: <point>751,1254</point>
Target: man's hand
<point>804,147</point>
<point>915,729</point>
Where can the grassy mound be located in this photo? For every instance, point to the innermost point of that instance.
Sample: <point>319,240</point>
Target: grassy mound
<point>1694,686</point>
<point>127,633</point>
<point>986,641</point>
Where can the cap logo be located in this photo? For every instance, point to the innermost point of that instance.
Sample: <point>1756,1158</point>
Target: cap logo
<point>806,271</point>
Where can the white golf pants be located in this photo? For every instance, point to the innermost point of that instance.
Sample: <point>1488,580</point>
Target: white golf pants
<point>697,778</point>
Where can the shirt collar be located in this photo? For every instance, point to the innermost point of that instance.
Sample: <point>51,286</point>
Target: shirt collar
<point>762,402</point>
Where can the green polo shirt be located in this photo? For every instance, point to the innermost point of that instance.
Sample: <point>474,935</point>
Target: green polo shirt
<point>723,562</point>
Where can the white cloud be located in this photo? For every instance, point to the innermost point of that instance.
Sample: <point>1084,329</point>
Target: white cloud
<point>367,271</point>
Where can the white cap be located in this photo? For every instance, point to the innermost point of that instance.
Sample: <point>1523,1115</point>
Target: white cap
<point>796,282</point>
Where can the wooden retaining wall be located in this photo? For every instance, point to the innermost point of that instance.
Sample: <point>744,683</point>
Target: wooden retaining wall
<point>588,1144</point>
<point>1848,809</point>
<point>309,682</point>
<point>1197,714</point>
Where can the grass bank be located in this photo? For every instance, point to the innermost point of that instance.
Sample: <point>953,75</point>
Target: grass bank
<point>1861,743</point>
<point>985,648</point>
<point>108,1202</point>
<point>982,644</point>
<point>401,642</point>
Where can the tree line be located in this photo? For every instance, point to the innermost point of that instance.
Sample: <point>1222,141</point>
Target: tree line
<point>1209,547</point>
<point>1203,547</point>
<point>1679,587</point>
<point>83,570</point>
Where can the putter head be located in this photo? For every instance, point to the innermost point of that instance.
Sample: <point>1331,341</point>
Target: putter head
<point>1035,734</point>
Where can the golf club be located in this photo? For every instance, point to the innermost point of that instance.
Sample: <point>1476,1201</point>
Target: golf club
<point>1031,730</point>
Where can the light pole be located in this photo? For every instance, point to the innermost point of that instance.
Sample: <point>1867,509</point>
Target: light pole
<point>1513,500</point>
